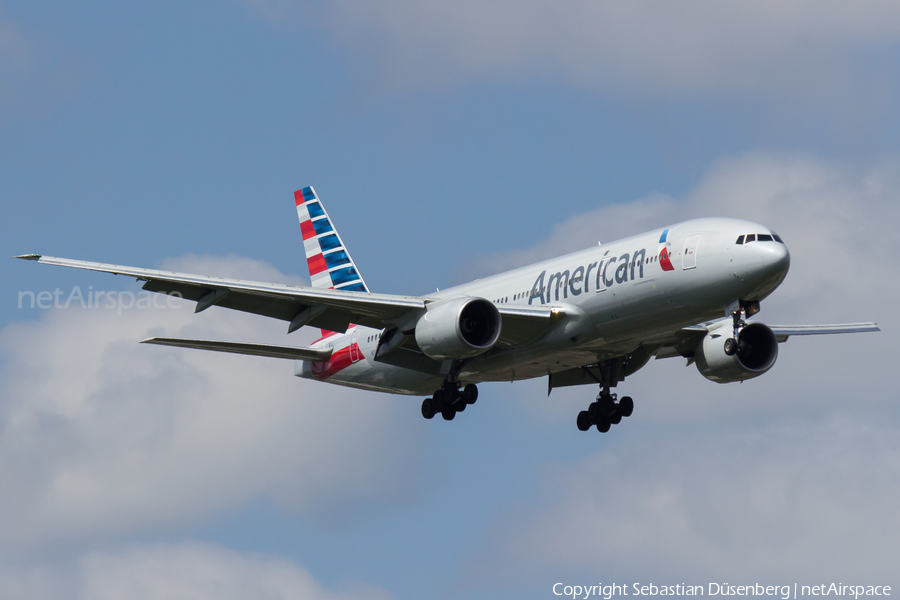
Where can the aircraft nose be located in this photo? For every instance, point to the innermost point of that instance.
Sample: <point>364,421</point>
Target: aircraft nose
<point>774,260</point>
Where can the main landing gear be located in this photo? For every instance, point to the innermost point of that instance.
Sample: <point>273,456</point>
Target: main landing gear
<point>449,400</point>
<point>605,412</point>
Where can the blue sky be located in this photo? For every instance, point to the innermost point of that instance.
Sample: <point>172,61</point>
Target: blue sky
<point>448,142</point>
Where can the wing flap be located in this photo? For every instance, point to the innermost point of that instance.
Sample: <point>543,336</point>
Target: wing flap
<point>266,350</point>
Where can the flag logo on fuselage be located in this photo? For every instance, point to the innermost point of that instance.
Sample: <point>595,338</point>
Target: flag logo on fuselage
<point>664,260</point>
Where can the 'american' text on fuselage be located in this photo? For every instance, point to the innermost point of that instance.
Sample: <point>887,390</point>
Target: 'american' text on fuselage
<point>572,282</point>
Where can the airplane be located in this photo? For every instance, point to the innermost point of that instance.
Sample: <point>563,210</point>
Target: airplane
<point>593,317</point>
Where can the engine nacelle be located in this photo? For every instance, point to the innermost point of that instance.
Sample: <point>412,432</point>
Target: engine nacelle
<point>756,351</point>
<point>458,328</point>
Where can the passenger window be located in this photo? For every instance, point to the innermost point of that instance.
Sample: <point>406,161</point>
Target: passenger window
<point>750,238</point>
<point>740,240</point>
<point>764,237</point>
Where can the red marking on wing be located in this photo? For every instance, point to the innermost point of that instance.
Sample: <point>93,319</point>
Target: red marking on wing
<point>340,360</point>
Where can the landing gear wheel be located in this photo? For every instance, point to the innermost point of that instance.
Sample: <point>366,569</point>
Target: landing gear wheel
<point>470,393</point>
<point>593,411</point>
<point>449,399</point>
<point>428,408</point>
<point>603,426</point>
<point>626,406</point>
<point>583,421</point>
<point>615,418</point>
<point>730,347</point>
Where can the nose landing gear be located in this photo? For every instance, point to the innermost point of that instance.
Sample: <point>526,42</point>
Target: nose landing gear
<point>743,308</point>
<point>731,344</point>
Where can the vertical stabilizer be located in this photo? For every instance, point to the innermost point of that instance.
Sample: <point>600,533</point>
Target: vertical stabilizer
<point>330,265</point>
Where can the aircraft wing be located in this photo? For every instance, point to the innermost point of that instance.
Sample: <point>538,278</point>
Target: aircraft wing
<point>333,310</point>
<point>683,341</point>
<point>782,332</point>
<point>327,309</point>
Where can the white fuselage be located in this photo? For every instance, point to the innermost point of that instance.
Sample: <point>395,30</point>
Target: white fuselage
<point>614,296</point>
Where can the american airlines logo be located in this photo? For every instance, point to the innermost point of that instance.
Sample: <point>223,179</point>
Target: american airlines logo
<point>604,273</point>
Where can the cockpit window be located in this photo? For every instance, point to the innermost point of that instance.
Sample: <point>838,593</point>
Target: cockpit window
<point>758,237</point>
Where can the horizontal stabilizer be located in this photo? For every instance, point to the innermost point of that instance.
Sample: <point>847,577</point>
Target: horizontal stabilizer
<point>244,348</point>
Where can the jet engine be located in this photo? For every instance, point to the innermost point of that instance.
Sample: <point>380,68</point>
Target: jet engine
<point>722,360</point>
<point>458,328</point>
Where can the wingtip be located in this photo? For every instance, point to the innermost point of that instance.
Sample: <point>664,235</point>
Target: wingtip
<point>29,256</point>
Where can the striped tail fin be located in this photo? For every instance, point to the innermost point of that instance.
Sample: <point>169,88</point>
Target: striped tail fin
<point>330,265</point>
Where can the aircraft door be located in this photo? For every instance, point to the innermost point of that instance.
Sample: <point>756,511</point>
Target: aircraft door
<point>689,261</point>
<point>354,346</point>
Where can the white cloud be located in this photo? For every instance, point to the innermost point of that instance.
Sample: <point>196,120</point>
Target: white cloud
<point>623,47</point>
<point>161,572</point>
<point>792,502</point>
<point>102,436</point>
<point>231,266</point>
